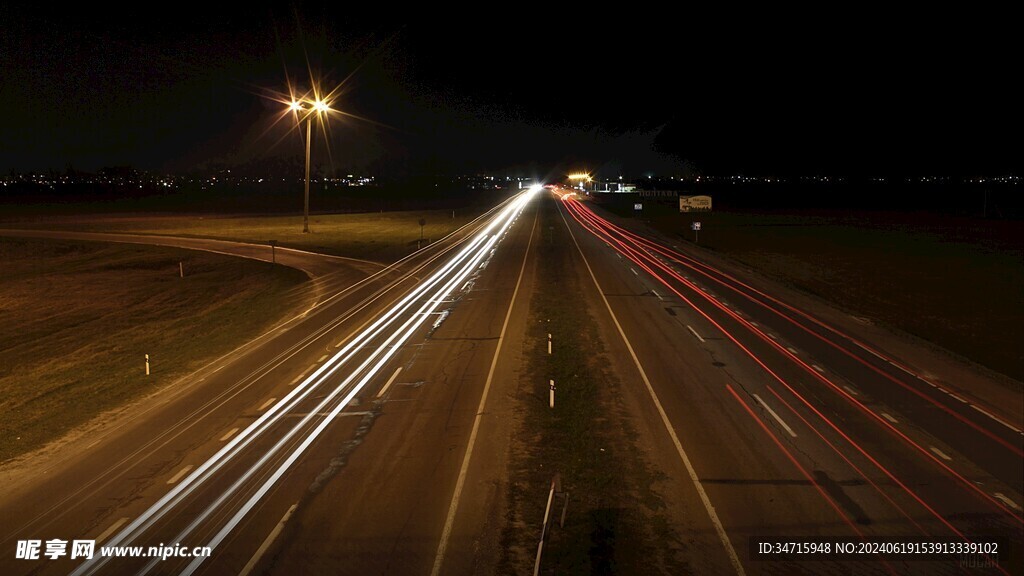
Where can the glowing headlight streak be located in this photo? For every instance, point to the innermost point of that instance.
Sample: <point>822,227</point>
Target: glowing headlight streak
<point>290,401</point>
<point>475,223</point>
<point>383,354</point>
<point>480,246</point>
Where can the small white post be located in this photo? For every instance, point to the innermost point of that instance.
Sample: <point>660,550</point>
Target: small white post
<point>549,344</point>
<point>551,395</point>
<point>181,269</point>
<point>147,368</point>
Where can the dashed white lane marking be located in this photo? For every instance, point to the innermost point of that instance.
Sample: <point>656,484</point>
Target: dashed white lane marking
<point>329,414</point>
<point>792,350</point>
<point>851,390</point>
<point>870,351</point>
<point>1007,501</point>
<point>774,415</point>
<point>390,380</point>
<point>634,272</point>
<point>694,332</point>
<point>658,295</point>
<point>940,453</point>
<point>906,370</point>
<point>266,404</point>
<point>230,433</point>
<point>120,522</point>
<point>818,368</point>
<point>890,418</point>
<point>954,396</point>
<point>996,418</point>
<point>181,474</point>
<point>266,543</point>
<point>691,471</point>
<point>322,358</point>
<point>772,336</point>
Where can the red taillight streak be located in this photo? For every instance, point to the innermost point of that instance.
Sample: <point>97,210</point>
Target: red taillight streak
<point>856,468</point>
<point>627,251</point>
<point>796,463</point>
<point>700,267</point>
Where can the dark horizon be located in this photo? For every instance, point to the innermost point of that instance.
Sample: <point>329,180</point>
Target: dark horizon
<point>754,94</point>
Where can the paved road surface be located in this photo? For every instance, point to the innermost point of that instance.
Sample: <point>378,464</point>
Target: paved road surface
<point>767,420</point>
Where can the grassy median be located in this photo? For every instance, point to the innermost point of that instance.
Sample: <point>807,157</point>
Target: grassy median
<point>615,519</point>
<point>79,318</point>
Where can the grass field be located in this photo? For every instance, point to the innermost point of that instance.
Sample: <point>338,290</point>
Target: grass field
<point>379,236</point>
<point>955,282</point>
<point>79,318</point>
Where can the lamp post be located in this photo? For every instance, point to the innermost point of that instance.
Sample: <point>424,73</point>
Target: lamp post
<point>309,107</point>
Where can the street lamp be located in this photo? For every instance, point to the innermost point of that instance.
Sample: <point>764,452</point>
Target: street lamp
<point>309,107</point>
<point>580,177</point>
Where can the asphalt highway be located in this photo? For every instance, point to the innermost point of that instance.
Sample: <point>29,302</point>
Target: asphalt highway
<point>793,427</point>
<point>204,462</point>
<point>370,433</point>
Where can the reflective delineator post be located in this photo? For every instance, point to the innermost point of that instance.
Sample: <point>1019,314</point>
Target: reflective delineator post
<point>147,366</point>
<point>551,395</point>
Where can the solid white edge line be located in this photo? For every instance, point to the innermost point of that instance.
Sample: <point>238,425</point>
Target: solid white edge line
<point>774,415</point>
<point>382,356</point>
<point>388,383</point>
<point>694,332</point>
<point>229,434</point>
<point>244,438</point>
<point>113,528</point>
<point>454,505</point>
<point>719,528</point>
<point>181,473</point>
<point>267,542</point>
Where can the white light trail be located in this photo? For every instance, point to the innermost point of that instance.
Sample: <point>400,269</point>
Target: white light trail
<point>456,270</point>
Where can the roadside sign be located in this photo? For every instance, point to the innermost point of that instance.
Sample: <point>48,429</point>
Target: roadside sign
<point>638,206</point>
<point>695,226</point>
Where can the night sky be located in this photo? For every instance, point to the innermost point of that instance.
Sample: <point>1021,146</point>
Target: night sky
<point>855,91</point>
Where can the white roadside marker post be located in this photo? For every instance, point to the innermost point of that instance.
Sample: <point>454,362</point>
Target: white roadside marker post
<point>147,364</point>
<point>551,395</point>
